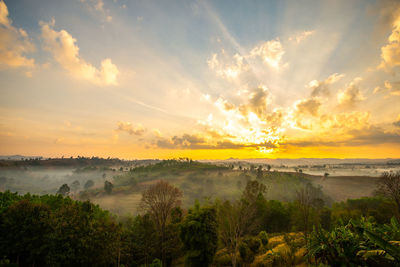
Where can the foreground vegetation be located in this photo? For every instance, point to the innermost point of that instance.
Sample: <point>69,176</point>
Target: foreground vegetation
<point>248,228</point>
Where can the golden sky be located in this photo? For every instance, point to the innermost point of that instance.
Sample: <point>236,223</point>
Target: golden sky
<point>200,79</point>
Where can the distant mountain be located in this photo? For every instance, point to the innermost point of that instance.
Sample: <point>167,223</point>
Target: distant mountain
<point>308,161</point>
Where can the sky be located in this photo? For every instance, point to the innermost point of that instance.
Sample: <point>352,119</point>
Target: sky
<point>200,79</point>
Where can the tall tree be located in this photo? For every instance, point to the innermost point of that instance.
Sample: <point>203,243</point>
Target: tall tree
<point>239,218</point>
<point>199,236</point>
<point>308,198</point>
<point>389,186</point>
<point>159,201</point>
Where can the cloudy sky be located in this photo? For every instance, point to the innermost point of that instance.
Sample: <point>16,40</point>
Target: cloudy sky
<point>200,79</point>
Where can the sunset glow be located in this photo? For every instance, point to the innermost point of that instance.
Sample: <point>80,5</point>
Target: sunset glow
<point>200,79</point>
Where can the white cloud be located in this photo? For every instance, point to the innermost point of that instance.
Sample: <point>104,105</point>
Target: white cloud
<point>62,46</point>
<point>270,52</point>
<point>298,38</point>
<point>322,88</point>
<point>352,94</point>
<point>229,70</point>
<point>390,53</point>
<point>14,43</point>
<point>98,6</point>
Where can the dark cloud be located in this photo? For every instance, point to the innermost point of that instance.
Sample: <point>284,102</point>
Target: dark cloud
<point>188,141</point>
<point>369,136</point>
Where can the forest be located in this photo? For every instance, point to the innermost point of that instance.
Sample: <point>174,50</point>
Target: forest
<point>189,213</point>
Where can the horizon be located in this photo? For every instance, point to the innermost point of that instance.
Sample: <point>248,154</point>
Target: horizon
<point>204,80</point>
<point>9,157</point>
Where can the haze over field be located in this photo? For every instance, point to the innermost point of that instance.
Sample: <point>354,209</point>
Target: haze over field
<point>200,79</point>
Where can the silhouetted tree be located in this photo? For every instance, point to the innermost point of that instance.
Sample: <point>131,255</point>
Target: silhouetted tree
<point>63,190</point>
<point>108,187</point>
<point>89,184</point>
<point>159,201</point>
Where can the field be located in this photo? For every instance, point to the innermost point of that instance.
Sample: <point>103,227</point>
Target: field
<point>198,181</point>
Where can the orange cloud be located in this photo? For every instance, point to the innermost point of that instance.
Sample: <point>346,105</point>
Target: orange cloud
<point>62,46</point>
<point>14,43</point>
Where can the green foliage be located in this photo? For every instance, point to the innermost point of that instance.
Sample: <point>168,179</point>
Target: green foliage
<point>380,208</point>
<point>358,243</point>
<point>263,236</point>
<point>248,248</point>
<point>140,241</point>
<point>199,235</point>
<point>24,231</point>
<point>56,231</point>
<point>156,263</point>
<point>276,216</point>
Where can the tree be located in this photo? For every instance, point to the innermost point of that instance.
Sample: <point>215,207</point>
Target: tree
<point>108,187</point>
<point>24,233</point>
<point>199,236</point>
<point>259,174</point>
<point>389,186</point>
<point>248,248</point>
<point>159,201</point>
<point>63,190</point>
<point>308,198</point>
<point>238,218</point>
<point>89,184</point>
<point>140,241</point>
<point>252,191</point>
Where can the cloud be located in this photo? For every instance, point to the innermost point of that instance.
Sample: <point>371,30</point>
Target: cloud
<point>129,128</point>
<point>14,43</point>
<point>4,20</point>
<point>258,101</point>
<point>62,46</point>
<point>190,141</point>
<point>298,38</point>
<point>397,122</point>
<point>308,106</point>
<point>229,70</point>
<point>271,53</point>
<point>372,136</point>
<point>98,6</point>
<point>350,96</point>
<point>322,88</point>
<point>390,53</point>
<point>394,88</point>
<point>346,129</point>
